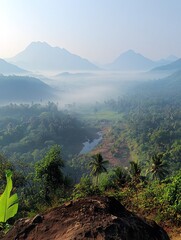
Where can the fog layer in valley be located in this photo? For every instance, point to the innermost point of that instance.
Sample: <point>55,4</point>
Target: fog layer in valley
<point>88,88</point>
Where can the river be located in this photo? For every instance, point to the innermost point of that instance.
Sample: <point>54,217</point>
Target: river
<point>90,145</point>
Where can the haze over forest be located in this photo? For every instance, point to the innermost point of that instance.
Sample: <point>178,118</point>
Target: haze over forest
<point>88,51</point>
<point>90,104</point>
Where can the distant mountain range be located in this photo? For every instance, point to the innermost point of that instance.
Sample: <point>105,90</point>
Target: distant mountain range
<point>167,60</point>
<point>132,61</point>
<point>74,75</point>
<point>18,88</point>
<point>8,68</point>
<point>174,66</point>
<point>41,56</point>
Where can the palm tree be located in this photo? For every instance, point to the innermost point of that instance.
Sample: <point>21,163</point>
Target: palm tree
<point>135,171</point>
<point>97,165</point>
<point>121,176</point>
<point>158,168</point>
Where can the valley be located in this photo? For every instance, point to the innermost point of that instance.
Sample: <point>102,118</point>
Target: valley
<point>57,127</point>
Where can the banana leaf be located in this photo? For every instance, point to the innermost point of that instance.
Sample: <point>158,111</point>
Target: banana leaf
<point>8,204</point>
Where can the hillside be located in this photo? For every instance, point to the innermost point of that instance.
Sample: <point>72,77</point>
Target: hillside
<point>167,87</point>
<point>18,88</point>
<point>41,56</point>
<point>40,126</point>
<point>8,68</point>
<point>174,66</point>
<point>171,83</point>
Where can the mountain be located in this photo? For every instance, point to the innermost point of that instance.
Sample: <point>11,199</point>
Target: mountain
<point>18,88</point>
<point>165,61</point>
<point>166,88</point>
<point>171,58</point>
<point>131,61</point>
<point>8,68</point>
<point>74,75</point>
<point>41,56</point>
<point>171,83</point>
<point>172,67</point>
<point>98,218</point>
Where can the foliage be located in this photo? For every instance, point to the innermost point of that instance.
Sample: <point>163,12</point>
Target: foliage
<point>84,188</point>
<point>8,204</point>
<point>24,126</point>
<point>4,164</point>
<point>135,170</point>
<point>97,165</point>
<point>107,181</point>
<point>173,197</point>
<point>48,170</point>
<point>122,176</point>
<point>144,123</point>
<point>158,168</point>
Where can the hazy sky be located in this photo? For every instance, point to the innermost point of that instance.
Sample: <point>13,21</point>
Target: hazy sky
<point>98,30</point>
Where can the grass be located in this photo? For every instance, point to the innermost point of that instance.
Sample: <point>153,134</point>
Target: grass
<point>101,116</point>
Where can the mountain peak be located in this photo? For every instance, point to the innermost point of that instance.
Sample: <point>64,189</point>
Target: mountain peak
<point>131,61</point>
<point>38,45</point>
<point>41,56</point>
<point>130,51</point>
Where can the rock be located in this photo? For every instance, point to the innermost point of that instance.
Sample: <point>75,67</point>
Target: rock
<point>99,218</point>
<point>37,219</point>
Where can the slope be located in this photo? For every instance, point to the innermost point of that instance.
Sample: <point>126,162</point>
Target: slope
<point>174,66</point>
<point>8,68</point>
<point>18,88</point>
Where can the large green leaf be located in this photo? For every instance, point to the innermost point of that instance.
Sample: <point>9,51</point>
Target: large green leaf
<point>8,204</point>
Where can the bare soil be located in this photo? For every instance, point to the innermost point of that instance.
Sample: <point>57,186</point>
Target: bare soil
<point>96,218</point>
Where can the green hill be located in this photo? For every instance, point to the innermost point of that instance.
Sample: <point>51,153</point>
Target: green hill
<point>18,88</point>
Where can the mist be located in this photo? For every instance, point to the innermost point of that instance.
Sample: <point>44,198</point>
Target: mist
<point>85,88</point>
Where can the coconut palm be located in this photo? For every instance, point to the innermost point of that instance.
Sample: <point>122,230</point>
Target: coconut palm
<point>97,165</point>
<point>121,175</point>
<point>135,171</point>
<point>158,168</point>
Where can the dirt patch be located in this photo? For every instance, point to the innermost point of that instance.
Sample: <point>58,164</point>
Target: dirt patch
<point>116,155</point>
<point>90,218</point>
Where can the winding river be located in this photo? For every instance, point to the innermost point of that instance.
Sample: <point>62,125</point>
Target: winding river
<point>90,145</point>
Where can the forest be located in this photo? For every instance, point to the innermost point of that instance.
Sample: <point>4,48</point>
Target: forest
<point>40,144</point>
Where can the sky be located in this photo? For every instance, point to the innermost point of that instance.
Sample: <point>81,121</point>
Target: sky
<point>99,30</point>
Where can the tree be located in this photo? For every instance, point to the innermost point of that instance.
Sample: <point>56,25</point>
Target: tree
<point>97,165</point>
<point>135,171</point>
<point>49,170</point>
<point>121,175</point>
<point>83,188</point>
<point>4,165</point>
<point>158,168</point>
<point>173,197</point>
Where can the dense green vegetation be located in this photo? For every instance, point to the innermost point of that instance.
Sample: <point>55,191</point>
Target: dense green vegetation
<point>27,131</point>
<point>152,125</point>
<point>24,89</point>
<point>40,144</point>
